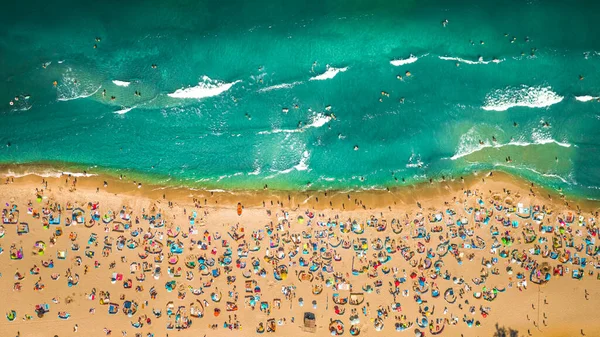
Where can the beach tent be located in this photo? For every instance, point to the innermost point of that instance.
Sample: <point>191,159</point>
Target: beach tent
<point>22,228</point>
<point>309,322</point>
<point>61,254</point>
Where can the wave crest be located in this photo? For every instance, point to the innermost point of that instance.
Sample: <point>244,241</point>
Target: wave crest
<point>72,87</point>
<point>280,86</point>
<point>317,121</point>
<point>586,98</point>
<point>121,83</point>
<point>469,143</point>
<point>330,73</point>
<point>525,96</point>
<point>401,62</point>
<point>479,61</point>
<point>206,88</point>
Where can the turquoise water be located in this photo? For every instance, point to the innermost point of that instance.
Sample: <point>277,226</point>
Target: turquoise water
<point>253,115</point>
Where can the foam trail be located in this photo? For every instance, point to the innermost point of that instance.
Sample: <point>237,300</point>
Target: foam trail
<point>121,83</point>
<point>586,98</point>
<point>280,86</point>
<point>328,74</point>
<point>74,85</point>
<point>124,110</point>
<point>401,62</point>
<point>525,96</point>
<point>84,95</point>
<point>207,88</point>
<point>479,61</point>
<point>471,150</point>
<point>318,120</point>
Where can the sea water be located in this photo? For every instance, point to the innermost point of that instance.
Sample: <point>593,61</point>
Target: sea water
<point>305,94</point>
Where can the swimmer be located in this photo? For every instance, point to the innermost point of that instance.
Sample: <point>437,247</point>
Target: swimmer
<point>399,77</point>
<point>55,83</point>
<point>581,77</point>
<point>355,147</point>
<point>408,74</point>
<point>285,110</point>
<point>445,23</point>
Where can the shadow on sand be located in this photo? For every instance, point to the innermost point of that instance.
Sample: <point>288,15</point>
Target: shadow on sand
<point>505,332</point>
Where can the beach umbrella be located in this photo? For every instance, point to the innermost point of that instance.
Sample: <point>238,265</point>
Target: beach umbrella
<point>300,219</point>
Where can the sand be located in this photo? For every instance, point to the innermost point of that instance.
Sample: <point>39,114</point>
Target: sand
<point>561,307</point>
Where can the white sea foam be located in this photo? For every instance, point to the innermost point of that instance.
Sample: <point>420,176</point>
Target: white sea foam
<point>317,121</point>
<point>72,87</point>
<point>85,94</point>
<point>48,174</point>
<point>124,110</point>
<point>414,161</point>
<point>525,96</point>
<point>280,86</point>
<point>301,166</point>
<point>229,176</point>
<point>401,62</point>
<point>479,61</point>
<point>206,88</point>
<point>121,83</point>
<point>469,143</point>
<point>255,172</point>
<point>547,175</point>
<point>586,98</point>
<point>328,74</point>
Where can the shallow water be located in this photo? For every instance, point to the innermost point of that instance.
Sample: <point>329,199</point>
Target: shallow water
<point>212,112</point>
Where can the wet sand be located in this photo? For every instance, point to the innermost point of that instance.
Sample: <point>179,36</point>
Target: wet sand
<point>558,307</point>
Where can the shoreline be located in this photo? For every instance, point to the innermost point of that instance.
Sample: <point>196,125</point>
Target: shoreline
<point>402,193</point>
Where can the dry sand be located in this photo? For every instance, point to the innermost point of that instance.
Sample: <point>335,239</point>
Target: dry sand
<point>558,308</point>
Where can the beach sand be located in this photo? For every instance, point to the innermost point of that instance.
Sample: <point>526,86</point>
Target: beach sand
<point>561,307</point>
